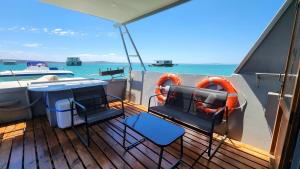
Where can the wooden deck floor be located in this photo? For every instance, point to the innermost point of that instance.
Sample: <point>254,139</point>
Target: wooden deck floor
<point>34,144</point>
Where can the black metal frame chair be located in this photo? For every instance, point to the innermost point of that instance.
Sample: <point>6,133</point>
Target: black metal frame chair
<point>180,107</point>
<point>92,107</point>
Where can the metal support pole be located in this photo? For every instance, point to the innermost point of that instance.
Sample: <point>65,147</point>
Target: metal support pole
<point>133,44</point>
<point>125,48</point>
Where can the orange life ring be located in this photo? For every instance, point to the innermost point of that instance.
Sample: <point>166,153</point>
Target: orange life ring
<point>167,76</point>
<point>232,93</point>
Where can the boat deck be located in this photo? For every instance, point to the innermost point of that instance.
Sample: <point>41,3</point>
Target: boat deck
<point>34,144</point>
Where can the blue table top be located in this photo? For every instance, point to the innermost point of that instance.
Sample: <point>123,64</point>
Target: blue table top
<point>155,129</point>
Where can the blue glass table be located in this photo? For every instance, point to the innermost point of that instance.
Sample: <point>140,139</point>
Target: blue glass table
<point>157,130</point>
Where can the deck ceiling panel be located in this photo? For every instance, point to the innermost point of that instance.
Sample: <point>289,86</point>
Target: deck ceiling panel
<point>119,11</point>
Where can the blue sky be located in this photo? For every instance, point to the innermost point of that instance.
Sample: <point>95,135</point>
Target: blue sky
<point>200,31</point>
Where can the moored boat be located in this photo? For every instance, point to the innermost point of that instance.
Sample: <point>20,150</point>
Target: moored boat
<point>163,63</point>
<point>73,61</point>
<point>33,70</point>
<point>9,62</point>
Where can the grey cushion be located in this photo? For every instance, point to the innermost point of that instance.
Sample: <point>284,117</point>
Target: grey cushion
<point>203,122</point>
<point>103,115</point>
<point>213,98</point>
<point>179,97</point>
<point>210,101</point>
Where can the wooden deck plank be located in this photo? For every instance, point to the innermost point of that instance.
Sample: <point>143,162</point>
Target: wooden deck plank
<point>29,151</point>
<point>109,152</point>
<point>2,129</point>
<point>214,163</point>
<point>98,155</point>
<point>235,144</point>
<point>118,148</point>
<point>57,155</point>
<point>136,152</point>
<point>146,147</point>
<point>5,149</point>
<point>260,159</point>
<point>227,154</point>
<point>86,158</point>
<point>189,157</point>
<point>16,156</point>
<point>43,155</point>
<point>168,157</point>
<point>34,144</point>
<point>71,155</point>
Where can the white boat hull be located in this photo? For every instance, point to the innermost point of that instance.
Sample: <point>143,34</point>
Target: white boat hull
<point>32,74</point>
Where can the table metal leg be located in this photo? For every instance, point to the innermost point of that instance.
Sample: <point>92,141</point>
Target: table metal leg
<point>181,154</point>
<point>160,157</point>
<point>181,151</point>
<point>133,144</point>
<point>124,135</point>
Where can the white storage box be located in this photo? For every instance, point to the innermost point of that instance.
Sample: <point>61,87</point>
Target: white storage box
<point>63,114</point>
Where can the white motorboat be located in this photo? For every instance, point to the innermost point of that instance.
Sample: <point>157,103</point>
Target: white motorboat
<point>34,70</point>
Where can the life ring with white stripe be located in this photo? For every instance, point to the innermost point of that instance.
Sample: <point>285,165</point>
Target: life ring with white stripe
<point>160,89</point>
<point>232,98</point>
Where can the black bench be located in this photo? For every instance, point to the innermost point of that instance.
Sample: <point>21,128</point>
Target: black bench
<point>182,106</point>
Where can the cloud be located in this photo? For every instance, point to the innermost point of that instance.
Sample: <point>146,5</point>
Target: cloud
<point>32,45</point>
<point>56,31</point>
<point>33,29</point>
<point>12,28</point>
<point>61,32</point>
<point>110,57</point>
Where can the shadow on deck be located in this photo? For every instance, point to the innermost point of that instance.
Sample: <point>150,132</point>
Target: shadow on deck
<point>34,144</point>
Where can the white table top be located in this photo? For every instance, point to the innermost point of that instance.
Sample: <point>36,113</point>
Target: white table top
<point>60,86</point>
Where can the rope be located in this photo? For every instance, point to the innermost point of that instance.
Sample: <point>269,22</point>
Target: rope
<point>21,108</point>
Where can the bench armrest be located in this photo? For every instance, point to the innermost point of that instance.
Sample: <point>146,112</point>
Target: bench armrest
<point>149,102</point>
<point>219,113</point>
<point>119,99</point>
<point>115,97</point>
<point>74,102</point>
<point>78,104</point>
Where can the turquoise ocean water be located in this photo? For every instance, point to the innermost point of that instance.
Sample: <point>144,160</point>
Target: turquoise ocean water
<point>91,70</point>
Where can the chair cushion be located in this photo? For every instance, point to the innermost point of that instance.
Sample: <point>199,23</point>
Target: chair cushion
<point>203,123</point>
<point>179,98</point>
<point>210,98</point>
<point>104,115</point>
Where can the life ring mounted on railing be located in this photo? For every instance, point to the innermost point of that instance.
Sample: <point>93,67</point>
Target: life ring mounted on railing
<point>232,98</point>
<point>161,90</point>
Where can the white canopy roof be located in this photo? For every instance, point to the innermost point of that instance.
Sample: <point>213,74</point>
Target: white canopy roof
<point>120,11</point>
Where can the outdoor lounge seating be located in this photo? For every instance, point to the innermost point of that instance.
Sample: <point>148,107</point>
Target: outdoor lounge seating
<point>92,107</point>
<point>182,106</point>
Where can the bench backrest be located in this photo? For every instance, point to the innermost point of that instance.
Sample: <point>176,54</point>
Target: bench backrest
<point>209,99</point>
<point>93,98</point>
<point>187,99</point>
<point>179,97</point>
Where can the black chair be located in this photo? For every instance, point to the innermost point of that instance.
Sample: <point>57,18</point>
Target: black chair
<point>92,107</point>
<point>182,106</point>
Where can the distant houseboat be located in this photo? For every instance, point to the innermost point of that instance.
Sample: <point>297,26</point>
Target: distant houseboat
<point>165,63</point>
<point>9,62</point>
<point>73,61</point>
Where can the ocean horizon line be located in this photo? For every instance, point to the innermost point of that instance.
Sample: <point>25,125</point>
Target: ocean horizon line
<point>109,62</point>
